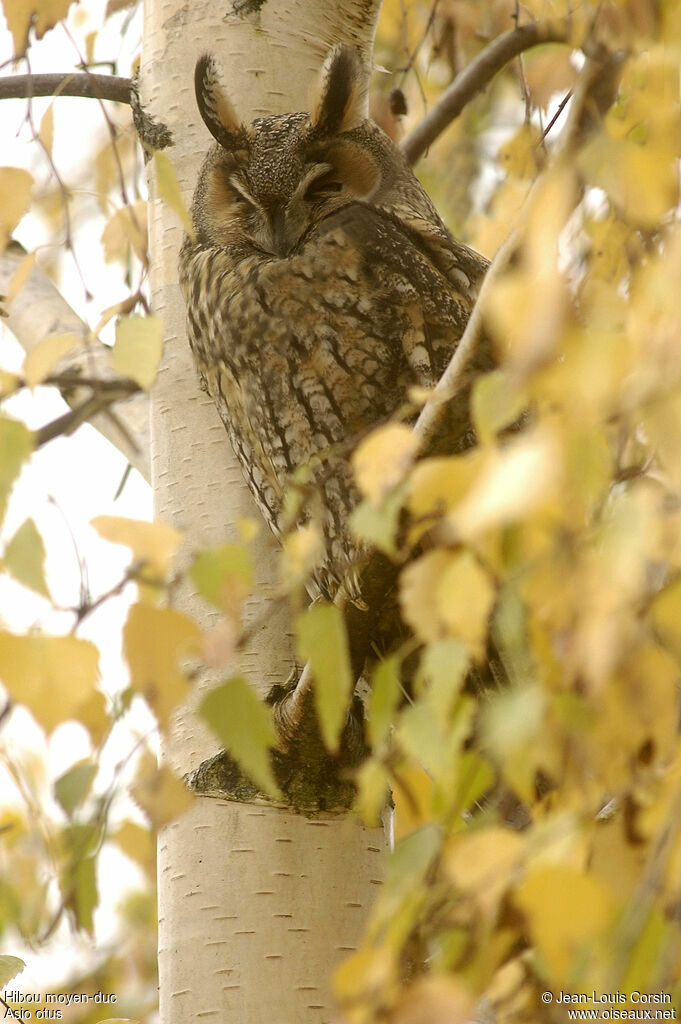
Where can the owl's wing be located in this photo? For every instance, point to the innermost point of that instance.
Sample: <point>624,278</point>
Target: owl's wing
<point>426,280</point>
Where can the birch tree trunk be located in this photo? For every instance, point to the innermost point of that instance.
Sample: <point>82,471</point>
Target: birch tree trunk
<point>257,904</point>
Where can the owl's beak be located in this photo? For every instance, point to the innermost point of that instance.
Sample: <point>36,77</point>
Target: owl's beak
<point>282,243</point>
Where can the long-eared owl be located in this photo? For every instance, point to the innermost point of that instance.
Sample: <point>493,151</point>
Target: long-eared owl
<point>320,286</point>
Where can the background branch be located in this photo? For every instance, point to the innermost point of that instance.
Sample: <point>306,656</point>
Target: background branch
<point>474,78</point>
<point>103,87</point>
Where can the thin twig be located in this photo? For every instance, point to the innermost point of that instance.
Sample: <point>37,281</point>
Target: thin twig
<point>67,423</point>
<point>474,78</point>
<point>103,87</point>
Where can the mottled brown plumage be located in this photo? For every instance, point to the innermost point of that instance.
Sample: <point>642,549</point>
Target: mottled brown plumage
<point>320,286</point>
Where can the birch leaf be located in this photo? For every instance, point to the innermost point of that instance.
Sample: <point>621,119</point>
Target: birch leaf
<point>10,966</point>
<point>155,640</point>
<point>25,558</point>
<point>154,544</point>
<point>243,723</point>
<point>566,911</point>
<point>15,198</point>
<point>50,675</point>
<point>323,642</point>
<point>382,459</point>
<point>169,190</point>
<point>21,275</point>
<point>223,575</point>
<point>159,792</point>
<point>46,130</point>
<point>42,359</point>
<point>73,786</point>
<point>21,15</point>
<point>126,227</point>
<point>137,350</point>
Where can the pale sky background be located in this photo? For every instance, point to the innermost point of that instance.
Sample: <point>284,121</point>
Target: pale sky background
<point>71,480</point>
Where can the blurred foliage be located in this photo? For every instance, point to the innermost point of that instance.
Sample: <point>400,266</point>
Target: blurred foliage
<point>538,845</point>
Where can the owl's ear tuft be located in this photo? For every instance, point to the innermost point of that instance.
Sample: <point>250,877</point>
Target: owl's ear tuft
<point>339,102</point>
<point>214,106</point>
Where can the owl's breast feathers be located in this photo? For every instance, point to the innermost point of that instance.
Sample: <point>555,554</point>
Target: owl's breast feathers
<point>303,355</point>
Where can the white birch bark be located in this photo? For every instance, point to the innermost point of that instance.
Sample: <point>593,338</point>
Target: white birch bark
<point>257,905</point>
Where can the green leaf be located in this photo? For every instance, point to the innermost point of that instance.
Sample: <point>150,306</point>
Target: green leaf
<point>25,558</point>
<point>16,444</point>
<point>384,697</point>
<point>84,897</point>
<point>73,786</point>
<point>322,641</point>
<point>377,525</point>
<point>169,190</point>
<point>245,728</point>
<point>474,776</point>
<point>442,673</point>
<point>80,843</point>
<point>421,734</point>
<point>409,861</point>
<point>137,350</point>
<point>219,571</point>
<point>10,966</point>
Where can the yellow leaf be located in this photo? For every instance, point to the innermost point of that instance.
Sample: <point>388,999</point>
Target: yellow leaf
<point>42,15</point>
<point>92,713</point>
<point>50,675</point>
<point>497,401</point>
<point>519,155</point>
<point>527,306</point>
<point>169,190</point>
<point>302,552</point>
<point>21,275</point>
<point>436,999</point>
<point>484,862</point>
<point>445,594</point>
<point>373,787</point>
<point>155,640</point>
<point>412,790</point>
<point>159,792</point>
<point>137,351</point>
<point>42,359</point>
<point>567,912</point>
<point>46,130</point>
<point>512,481</point>
<point>382,459</point>
<point>15,197</point>
<point>9,382</point>
<point>365,974</point>
<point>127,226</point>
<point>138,843</point>
<point>153,544</point>
<point>437,485</point>
<point>548,70</point>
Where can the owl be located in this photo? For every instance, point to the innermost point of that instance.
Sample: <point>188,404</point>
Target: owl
<point>320,286</point>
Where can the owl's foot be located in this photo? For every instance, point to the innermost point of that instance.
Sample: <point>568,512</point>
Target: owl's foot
<point>311,779</point>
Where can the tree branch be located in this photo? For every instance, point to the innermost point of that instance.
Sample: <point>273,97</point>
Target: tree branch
<point>102,87</point>
<point>474,78</point>
<point>37,311</point>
